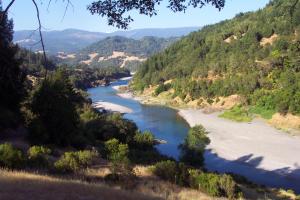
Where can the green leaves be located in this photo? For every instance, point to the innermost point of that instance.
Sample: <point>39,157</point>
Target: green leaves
<point>194,146</point>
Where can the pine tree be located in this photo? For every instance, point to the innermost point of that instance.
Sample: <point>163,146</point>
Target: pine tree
<point>11,77</point>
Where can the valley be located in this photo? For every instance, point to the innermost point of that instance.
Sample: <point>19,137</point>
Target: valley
<point>200,112</point>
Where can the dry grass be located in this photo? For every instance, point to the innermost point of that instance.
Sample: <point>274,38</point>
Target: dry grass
<point>89,61</point>
<point>286,122</point>
<point>26,186</point>
<point>269,40</point>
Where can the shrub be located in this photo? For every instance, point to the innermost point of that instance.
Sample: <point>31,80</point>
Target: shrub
<point>38,156</point>
<point>162,88</point>
<point>146,157</point>
<point>10,157</point>
<point>172,171</point>
<point>229,186</point>
<point>237,113</point>
<point>144,140</point>
<point>194,146</point>
<point>75,161</point>
<point>117,153</point>
<point>167,170</point>
<point>208,182</point>
<point>119,128</point>
<point>214,184</point>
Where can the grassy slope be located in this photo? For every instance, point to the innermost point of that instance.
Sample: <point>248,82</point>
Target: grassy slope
<point>23,186</point>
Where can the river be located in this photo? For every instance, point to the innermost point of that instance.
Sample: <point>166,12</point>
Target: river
<point>166,124</point>
<point>162,121</point>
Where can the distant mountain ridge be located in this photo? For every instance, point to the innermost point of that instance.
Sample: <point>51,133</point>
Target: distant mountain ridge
<point>117,51</point>
<point>72,40</point>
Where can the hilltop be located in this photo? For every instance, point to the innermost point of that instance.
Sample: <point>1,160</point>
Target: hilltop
<point>117,51</point>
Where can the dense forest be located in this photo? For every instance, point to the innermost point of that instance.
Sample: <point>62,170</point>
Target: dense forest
<point>255,55</point>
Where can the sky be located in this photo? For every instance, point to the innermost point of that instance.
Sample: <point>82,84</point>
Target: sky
<point>78,17</point>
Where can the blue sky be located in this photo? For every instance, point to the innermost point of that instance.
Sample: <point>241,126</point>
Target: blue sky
<point>79,17</point>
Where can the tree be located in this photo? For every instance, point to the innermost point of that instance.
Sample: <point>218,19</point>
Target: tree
<point>115,10</point>
<point>117,154</point>
<point>194,146</point>
<point>11,77</point>
<point>54,105</point>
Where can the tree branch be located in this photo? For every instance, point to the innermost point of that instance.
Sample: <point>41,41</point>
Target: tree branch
<point>41,36</point>
<point>6,10</point>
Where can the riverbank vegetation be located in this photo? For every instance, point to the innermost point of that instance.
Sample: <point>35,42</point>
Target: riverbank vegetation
<point>237,113</point>
<point>255,55</point>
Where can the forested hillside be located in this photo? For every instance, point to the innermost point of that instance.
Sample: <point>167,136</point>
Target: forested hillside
<point>118,51</point>
<point>255,55</point>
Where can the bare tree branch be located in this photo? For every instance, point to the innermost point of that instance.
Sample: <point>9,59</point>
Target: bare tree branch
<point>41,36</point>
<point>66,8</point>
<point>6,10</point>
<point>9,5</point>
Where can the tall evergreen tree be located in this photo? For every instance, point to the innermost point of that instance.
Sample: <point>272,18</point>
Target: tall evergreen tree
<point>11,77</point>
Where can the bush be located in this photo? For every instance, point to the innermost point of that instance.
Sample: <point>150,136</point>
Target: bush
<point>76,161</point>
<point>173,172</point>
<point>214,184</point>
<point>263,112</point>
<point>237,113</point>
<point>146,157</point>
<point>229,186</point>
<point>194,146</point>
<point>207,182</point>
<point>167,170</point>
<point>117,153</point>
<point>162,88</point>
<point>38,156</point>
<point>10,157</point>
<point>144,140</point>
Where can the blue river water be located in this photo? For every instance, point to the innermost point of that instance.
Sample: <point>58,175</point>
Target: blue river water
<point>162,121</point>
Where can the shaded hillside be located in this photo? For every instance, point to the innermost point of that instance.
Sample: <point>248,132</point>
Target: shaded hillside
<point>255,55</point>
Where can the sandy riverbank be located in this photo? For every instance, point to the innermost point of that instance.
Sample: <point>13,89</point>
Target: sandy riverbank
<point>112,107</point>
<point>232,140</point>
<point>256,144</point>
<point>256,150</point>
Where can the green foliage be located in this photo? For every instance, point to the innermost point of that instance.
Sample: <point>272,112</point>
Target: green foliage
<point>237,113</point>
<point>11,77</point>
<point>54,105</point>
<point>117,154</point>
<point>206,65</point>
<point>162,88</point>
<point>11,157</point>
<point>166,170</point>
<point>172,171</point>
<point>84,77</point>
<point>214,184</point>
<point>38,156</point>
<point>76,161</point>
<point>194,146</point>
<point>144,140</point>
<point>263,112</point>
<point>208,182</point>
<point>117,127</point>
<point>146,156</point>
